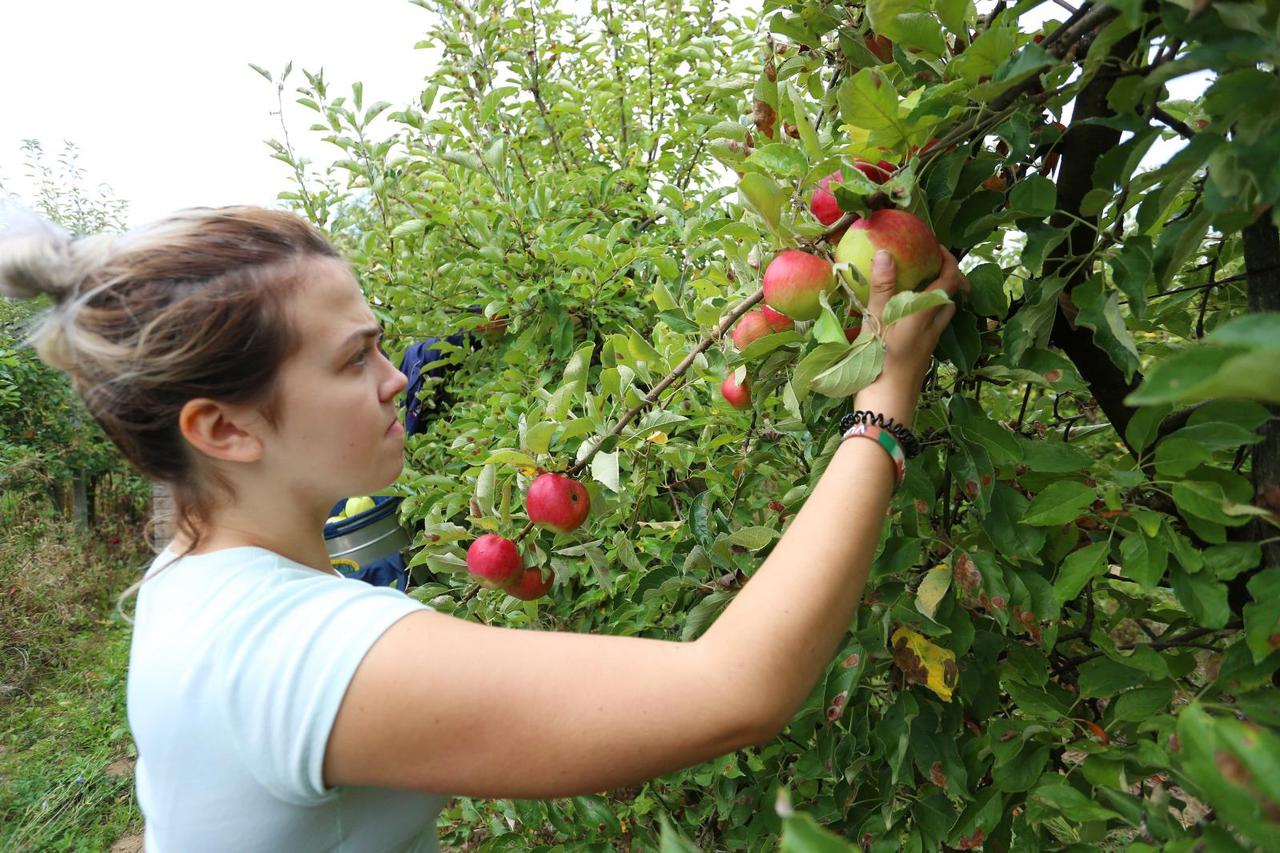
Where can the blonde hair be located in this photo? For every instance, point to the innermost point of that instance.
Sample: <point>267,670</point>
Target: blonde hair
<point>195,305</point>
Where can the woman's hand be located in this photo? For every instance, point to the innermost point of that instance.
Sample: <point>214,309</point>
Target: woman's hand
<point>910,342</point>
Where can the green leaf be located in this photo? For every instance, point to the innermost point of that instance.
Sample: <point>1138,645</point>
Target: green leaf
<point>854,372</point>
<point>1262,615</point>
<point>786,161</point>
<point>818,360</point>
<point>988,299</point>
<point>509,456</point>
<point>1143,560</point>
<point>1003,525</point>
<point>1034,196</point>
<point>1142,703</point>
<point>604,468</point>
<point>1184,376</point>
<point>1103,677</point>
<point>1204,500</point>
<point>1060,503</point>
<point>1232,767</point>
<point>751,538</point>
<point>1253,331</point>
<point>1203,597</point>
<point>764,196</point>
<point>1100,312</point>
<point>808,136</point>
<point>410,226</point>
<point>828,329</point>
<point>909,302</point>
<point>1176,456</point>
<point>1022,771</point>
<point>1079,568</point>
<point>1023,64</point>
<point>464,158</point>
<point>1060,798</point>
<point>537,438</point>
<point>868,102</point>
<point>702,614</point>
<point>1132,270</point>
<point>1054,457</point>
<point>981,58</point>
<point>802,834</point>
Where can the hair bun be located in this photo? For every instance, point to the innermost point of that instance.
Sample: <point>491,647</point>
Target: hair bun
<point>35,255</point>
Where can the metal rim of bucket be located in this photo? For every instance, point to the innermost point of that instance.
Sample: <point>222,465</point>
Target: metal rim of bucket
<point>392,532</point>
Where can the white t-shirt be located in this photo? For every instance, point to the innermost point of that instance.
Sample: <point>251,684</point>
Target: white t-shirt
<point>240,659</point>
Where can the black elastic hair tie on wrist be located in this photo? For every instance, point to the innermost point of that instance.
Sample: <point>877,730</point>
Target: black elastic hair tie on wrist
<point>906,438</point>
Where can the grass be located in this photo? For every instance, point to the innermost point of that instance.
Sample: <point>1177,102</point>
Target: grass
<point>66,780</point>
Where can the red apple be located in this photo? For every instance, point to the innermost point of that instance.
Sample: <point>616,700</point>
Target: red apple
<point>851,332</point>
<point>793,280</point>
<point>739,396</point>
<point>529,585</point>
<point>912,244</point>
<point>823,202</point>
<point>751,327</point>
<point>557,502</point>
<point>777,322</point>
<point>493,561</point>
<point>878,172</point>
<point>880,46</point>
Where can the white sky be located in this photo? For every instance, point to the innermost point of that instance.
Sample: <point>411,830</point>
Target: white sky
<point>159,97</point>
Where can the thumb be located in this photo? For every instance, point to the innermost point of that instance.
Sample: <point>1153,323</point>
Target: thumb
<point>884,280</point>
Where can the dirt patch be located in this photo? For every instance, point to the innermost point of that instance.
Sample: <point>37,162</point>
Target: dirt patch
<point>128,844</point>
<point>120,767</point>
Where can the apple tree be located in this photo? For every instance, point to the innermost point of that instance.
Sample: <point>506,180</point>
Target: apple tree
<point>1070,635</point>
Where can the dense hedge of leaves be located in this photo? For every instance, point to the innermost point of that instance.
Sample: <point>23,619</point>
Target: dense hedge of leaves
<point>1069,637</point>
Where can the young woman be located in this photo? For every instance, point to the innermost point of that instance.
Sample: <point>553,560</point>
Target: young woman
<point>279,706</point>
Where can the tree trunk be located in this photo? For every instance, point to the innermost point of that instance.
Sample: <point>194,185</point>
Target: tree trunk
<point>161,516</point>
<point>79,501</point>
<point>1261,258</point>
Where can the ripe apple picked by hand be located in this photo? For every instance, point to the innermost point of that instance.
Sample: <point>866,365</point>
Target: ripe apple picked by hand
<point>529,585</point>
<point>738,396</point>
<point>494,561</point>
<point>355,506</point>
<point>794,279</point>
<point>903,235</point>
<point>557,502</point>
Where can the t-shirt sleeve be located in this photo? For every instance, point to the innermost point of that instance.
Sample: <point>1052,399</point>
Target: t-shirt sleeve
<point>288,655</point>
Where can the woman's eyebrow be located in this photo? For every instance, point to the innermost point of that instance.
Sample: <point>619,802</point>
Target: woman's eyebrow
<point>361,334</point>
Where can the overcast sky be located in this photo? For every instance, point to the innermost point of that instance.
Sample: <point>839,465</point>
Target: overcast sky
<point>159,97</point>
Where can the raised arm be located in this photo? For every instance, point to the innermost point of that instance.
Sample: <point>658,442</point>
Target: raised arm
<point>441,704</point>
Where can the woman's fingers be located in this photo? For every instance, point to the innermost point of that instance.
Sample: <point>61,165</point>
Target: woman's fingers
<point>884,282</point>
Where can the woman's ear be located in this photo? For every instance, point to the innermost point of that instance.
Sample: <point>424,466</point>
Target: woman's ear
<point>219,431</point>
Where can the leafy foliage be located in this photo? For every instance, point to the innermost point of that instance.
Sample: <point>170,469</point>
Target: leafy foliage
<point>43,447</point>
<point>1097,570</point>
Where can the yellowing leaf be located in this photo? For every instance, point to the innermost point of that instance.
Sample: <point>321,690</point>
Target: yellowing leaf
<point>932,587</point>
<point>925,663</point>
<point>657,437</point>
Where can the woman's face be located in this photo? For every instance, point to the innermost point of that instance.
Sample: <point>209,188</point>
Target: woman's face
<point>339,432</point>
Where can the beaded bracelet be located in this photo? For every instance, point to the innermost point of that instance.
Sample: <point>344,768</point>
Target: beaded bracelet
<point>886,440</point>
<point>910,444</point>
